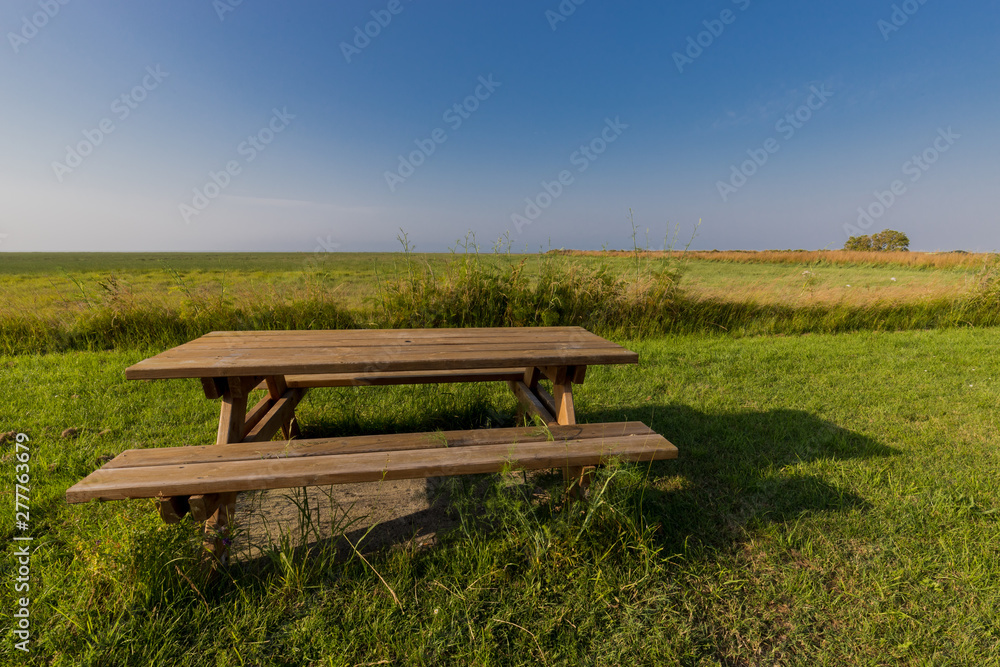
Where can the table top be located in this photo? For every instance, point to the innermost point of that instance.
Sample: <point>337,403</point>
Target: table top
<point>261,353</point>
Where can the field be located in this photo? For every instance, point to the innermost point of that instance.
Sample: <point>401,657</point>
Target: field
<point>54,284</point>
<point>835,501</point>
<point>62,302</point>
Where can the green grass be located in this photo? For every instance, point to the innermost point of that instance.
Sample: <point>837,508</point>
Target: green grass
<point>60,302</point>
<point>836,502</point>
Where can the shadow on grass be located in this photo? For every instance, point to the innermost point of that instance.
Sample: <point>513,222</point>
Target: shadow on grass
<point>732,472</point>
<point>731,476</point>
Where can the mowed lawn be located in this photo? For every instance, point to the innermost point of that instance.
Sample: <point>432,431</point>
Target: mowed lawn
<point>836,501</point>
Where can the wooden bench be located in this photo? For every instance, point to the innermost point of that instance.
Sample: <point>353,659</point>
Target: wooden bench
<point>194,478</point>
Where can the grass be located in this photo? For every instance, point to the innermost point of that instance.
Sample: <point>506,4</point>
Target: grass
<point>835,503</point>
<point>958,259</point>
<point>61,302</point>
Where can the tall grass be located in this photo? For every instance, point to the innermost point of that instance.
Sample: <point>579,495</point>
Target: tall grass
<point>116,320</point>
<point>496,289</point>
<point>929,260</point>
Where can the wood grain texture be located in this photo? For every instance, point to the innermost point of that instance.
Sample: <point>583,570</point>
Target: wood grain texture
<point>140,458</point>
<point>213,387</point>
<point>203,506</point>
<point>277,416</point>
<point>244,475</point>
<point>546,400</point>
<point>530,403</point>
<point>402,377</point>
<point>562,395</point>
<point>232,419</point>
<point>272,353</point>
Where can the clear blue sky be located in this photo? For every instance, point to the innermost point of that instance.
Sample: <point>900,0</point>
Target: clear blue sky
<point>153,98</point>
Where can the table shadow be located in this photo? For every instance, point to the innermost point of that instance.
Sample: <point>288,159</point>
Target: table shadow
<point>738,471</point>
<point>735,472</point>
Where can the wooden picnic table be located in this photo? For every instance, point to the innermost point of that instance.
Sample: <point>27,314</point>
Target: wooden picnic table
<point>231,364</point>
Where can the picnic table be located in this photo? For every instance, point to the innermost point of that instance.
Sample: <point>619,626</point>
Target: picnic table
<point>204,480</point>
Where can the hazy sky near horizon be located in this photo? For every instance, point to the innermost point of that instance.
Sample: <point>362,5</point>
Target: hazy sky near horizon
<point>300,126</point>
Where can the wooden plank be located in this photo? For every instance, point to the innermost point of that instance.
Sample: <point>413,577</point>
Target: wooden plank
<point>546,399</point>
<point>342,360</point>
<point>234,476</point>
<point>242,386</point>
<point>562,394</point>
<point>172,509</point>
<point>382,338</point>
<point>194,347</point>
<point>276,386</point>
<point>530,402</point>
<point>532,375</point>
<point>258,412</point>
<point>203,506</point>
<point>214,388</point>
<point>279,414</point>
<point>575,476</point>
<point>234,353</point>
<point>235,350</point>
<point>218,529</point>
<point>232,419</point>
<point>402,377</point>
<point>557,374</point>
<point>391,335</point>
<point>140,458</point>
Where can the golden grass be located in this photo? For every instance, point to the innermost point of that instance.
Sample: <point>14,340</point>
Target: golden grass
<point>935,260</point>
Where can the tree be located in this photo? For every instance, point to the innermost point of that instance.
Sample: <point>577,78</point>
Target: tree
<point>859,243</point>
<point>887,240</point>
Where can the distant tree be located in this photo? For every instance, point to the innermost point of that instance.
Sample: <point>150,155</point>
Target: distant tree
<point>885,241</point>
<point>859,243</point>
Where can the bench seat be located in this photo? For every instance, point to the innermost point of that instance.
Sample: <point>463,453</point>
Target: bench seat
<point>195,471</point>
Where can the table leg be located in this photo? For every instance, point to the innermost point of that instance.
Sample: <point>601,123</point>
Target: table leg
<point>560,405</point>
<point>232,424</point>
<point>577,478</point>
<point>274,411</point>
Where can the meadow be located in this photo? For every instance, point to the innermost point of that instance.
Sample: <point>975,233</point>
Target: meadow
<point>61,302</point>
<point>835,501</point>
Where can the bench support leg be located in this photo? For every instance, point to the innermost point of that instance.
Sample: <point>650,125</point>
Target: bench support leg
<point>218,529</point>
<point>560,405</point>
<point>577,478</point>
<point>276,410</point>
<point>232,423</point>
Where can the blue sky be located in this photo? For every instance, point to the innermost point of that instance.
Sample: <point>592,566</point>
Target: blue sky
<point>200,125</point>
